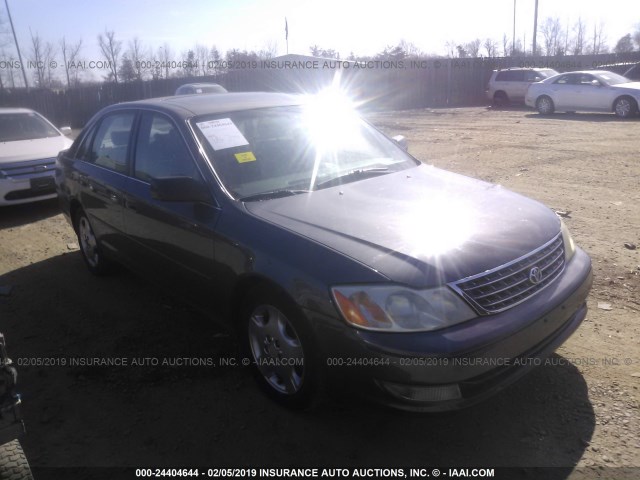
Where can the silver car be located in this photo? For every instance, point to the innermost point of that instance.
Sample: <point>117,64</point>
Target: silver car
<point>592,91</point>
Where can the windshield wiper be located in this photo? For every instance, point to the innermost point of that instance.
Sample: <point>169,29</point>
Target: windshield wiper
<point>352,176</point>
<point>284,192</point>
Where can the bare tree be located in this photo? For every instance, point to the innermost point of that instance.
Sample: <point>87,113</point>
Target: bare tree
<point>451,48</point>
<point>71,58</point>
<point>491,47</point>
<point>111,49</point>
<point>137,54</point>
<point>165,54</point>
<point>269,50</point>
<point>473,48</point>
<point>214,60</point>
<point>598,43</point>
<point>551,31</point>
<point>410,48</point>
<point>505,45</point>
<point>43,59</point>
<point>579,38</point>
<point>202,59</point>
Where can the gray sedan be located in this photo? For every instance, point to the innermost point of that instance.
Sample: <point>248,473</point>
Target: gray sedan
<point>342,262</point>
<point>591,91</point>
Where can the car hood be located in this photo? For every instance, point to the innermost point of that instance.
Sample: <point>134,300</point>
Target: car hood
<point>629,86</point>
<point>421,227</point>
<point>33,149</point>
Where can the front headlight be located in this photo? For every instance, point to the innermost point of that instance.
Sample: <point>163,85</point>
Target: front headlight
<point>393,308</point>
<point>567,239</point>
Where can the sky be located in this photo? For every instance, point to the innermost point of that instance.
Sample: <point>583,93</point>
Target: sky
<point>362,27</point>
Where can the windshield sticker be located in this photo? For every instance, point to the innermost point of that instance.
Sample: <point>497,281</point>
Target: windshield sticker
<point>222,134</point>
<point>245,157</point>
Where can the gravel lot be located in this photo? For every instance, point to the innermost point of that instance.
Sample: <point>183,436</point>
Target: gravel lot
<point>582,412</point>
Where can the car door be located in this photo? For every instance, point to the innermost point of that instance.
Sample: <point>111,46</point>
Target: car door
<point>172,241</point>
<point>517,85</point>
<point>566,91</point>
<point>593,94</point>
<point>100,171</point>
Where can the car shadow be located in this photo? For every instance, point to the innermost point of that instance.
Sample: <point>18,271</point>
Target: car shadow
<point>183,397</point>
<point>18,215</point>
<point>515,107</point>
<point>583,117</point>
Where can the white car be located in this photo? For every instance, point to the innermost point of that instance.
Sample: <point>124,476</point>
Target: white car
<point>29,145</point>
<point>592,91</point>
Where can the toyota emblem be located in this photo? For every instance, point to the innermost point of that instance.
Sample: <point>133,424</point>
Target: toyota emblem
<point>535,275</point>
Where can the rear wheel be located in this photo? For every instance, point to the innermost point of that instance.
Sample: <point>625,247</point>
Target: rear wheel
<point>91,253</point>
<point>545,105</point>
<point>280,346</point>
<point>13,462</point>
<point>625,107</point>
<point>500,100</point>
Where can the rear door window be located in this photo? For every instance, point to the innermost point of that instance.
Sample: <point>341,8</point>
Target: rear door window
<point>110,145</point>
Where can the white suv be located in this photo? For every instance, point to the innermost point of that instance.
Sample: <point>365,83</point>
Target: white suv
<point>510,85</point>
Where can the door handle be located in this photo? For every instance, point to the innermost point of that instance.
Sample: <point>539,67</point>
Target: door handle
<point>113,197</point>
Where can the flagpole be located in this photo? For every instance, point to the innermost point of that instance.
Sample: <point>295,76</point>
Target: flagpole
<point>286,33</point>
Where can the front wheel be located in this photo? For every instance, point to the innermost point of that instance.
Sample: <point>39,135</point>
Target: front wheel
<point>625,107</point>
<point>13,462</point>
<point>280,346</point>
<point>545,105</point>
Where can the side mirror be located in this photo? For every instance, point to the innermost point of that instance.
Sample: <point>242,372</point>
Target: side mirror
<point>65,130</point>
<point>179,189</point>
<point>596,83</point>
<point>401,141</point>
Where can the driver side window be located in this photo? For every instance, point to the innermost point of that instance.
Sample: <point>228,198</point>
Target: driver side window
<point>160,150</point>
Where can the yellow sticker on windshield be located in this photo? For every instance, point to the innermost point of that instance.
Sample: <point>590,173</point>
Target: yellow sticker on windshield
<point>245,157</point>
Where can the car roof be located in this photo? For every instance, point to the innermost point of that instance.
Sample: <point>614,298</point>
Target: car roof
<point>15,110</point>
<point>200,84</point>
<point>187,106</point>
<point>523,68</point>
<point>590,71</point>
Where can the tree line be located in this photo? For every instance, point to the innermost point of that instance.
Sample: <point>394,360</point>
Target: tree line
<point>62,65</point>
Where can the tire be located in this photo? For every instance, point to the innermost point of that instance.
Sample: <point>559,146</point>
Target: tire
<point>500,100</point>
<point>625,107</point>
<point>544,105</point>
<point>13,462</point>
<point>89,247</point>
<point>273,328</point>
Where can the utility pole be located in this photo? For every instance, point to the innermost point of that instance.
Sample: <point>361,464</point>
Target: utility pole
<point>535,28</point>
<point>513,42</point>
<point>15,39</point>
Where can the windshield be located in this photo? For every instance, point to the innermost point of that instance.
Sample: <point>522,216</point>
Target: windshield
<point>24,126</point>
<point>272,152</point>
<point>611,78</point>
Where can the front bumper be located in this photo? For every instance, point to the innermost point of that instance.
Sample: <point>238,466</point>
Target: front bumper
<point>461,365</point>
<point>27,181</point>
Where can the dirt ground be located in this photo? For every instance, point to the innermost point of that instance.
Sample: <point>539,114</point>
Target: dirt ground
<point>581,413</point>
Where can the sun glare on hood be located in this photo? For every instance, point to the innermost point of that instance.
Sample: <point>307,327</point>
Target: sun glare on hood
<point>435,226</point>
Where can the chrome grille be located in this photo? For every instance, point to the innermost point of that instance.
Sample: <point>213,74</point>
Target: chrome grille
<point>510,284</point>
<point>27,168</point>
